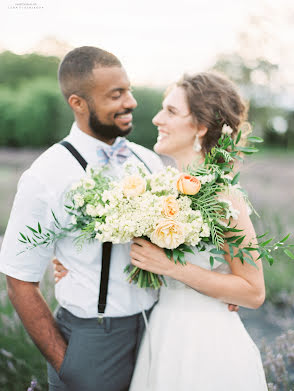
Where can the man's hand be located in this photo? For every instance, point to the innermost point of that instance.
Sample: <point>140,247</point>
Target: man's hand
<point>37,319</point>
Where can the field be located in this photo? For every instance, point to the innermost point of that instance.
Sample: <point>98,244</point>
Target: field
<point>269,180</point>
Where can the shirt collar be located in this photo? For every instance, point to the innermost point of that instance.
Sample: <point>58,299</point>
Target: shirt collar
<point>86,144</point>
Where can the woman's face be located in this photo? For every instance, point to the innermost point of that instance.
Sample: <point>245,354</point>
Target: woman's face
<point>176,130</point>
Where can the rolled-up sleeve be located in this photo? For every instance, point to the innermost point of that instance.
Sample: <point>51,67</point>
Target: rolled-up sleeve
<point>32,204</point>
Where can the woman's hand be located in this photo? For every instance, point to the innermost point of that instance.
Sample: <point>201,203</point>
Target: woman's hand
<point>59,270</point>
<point>148,256</point>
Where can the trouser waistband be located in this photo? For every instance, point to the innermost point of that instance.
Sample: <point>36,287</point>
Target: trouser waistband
<point>109,322</point>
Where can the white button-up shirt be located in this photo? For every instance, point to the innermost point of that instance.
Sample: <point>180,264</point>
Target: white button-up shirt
<point>42,188</point>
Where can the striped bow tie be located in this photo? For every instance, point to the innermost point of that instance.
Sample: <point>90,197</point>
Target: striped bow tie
<point>118,153</point>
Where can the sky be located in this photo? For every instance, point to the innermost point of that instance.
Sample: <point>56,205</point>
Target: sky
<point>157,40</point>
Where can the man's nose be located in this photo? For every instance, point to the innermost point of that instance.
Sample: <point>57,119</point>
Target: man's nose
<point>130,101</point>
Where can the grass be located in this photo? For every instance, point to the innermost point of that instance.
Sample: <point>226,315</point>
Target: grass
<point>20,360</point>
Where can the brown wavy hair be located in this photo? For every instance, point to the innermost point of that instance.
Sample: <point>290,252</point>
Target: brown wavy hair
<point>214,101</point>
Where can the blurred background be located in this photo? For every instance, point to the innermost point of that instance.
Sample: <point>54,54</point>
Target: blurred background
<point>157,41</point>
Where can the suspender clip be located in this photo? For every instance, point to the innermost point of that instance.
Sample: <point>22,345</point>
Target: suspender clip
<point>100,317</point>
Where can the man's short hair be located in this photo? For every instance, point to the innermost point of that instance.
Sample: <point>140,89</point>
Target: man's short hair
<point>75,71</point>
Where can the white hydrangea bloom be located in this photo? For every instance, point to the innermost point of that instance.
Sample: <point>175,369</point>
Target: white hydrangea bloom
<point>88,183</point>
<point>206,178</point>
<point>91,210</point>
<point>78,200</point>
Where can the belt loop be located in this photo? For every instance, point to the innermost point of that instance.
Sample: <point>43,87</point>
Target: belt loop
<point>107,324</point>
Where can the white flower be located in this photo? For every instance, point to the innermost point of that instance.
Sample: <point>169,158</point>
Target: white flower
<point>73,220</point>
<point>100,210</point>
<point>133,186</point>
<point>97,226</point>
<point>88,184</point>
<point>226,129</point>
<point>206,178</point>
<point>79,200</point>
<point>76,185</point>
<point>91,210</point>
<point>168,234</point>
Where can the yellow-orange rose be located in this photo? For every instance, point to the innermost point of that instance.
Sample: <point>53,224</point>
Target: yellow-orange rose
<point>133,186</point>
<point>168,234</point>
<point>188,184</point>
<point>170,206</point>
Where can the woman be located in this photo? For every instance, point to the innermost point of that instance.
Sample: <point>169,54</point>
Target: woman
<point>193,341</point>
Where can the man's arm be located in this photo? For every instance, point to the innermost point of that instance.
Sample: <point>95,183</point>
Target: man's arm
<point>37,318</point>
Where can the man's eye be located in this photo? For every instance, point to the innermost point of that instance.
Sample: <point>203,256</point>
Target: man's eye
<point>170,111</point>
<point>116,96</point>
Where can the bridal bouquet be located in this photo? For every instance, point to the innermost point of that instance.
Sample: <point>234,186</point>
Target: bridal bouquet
<point>172,209</point>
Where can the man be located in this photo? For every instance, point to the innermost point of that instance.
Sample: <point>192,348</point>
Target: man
<point>86,351</point>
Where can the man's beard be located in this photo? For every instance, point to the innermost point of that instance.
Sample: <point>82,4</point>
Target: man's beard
<point>106,132</point>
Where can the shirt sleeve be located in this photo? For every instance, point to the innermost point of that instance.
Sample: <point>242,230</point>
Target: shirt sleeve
<point>32,204</point>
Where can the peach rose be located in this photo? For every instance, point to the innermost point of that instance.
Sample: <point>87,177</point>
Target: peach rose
<point>170,206</point>
<point>188,184</point>
<point>133,186</point>
<point>168,234</point>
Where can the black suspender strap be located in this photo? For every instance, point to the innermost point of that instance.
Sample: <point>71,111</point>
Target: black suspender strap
<point>106,247</point>
<point>75,153</point>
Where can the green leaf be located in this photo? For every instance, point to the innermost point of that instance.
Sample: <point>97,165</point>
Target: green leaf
<point>269,258</point>
<point>251,262</point>
<point>265,242</point>
<point>240,240</point>
<point>247,150</point>
<point>22,235</point>
<point>238,137</point>
<point>285,238</point>
<point>250,248</point>
<point>235,180</point>
<point>31,229</point>
<point>39,228</point>
<point>262,236</point>
<point>289,253</point>
<point>215,251</point>
<point>254,139</point>
<point>220,259</point>
<point>231,251</point>
<point>211,260</point>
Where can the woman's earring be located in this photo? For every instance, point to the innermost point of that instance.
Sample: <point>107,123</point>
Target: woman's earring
<point>197,146</point>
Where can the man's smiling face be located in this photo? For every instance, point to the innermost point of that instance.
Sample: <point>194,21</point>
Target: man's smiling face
<point>110,103</point>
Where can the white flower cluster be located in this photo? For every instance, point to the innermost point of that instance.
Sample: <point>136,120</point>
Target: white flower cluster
<point>206,178</point>
<point>165,182</point>
<point>140,204</point>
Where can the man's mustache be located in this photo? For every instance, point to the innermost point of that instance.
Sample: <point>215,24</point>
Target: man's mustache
<point>127,111</point>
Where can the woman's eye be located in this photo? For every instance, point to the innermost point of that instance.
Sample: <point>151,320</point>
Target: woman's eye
<point>170,112</point>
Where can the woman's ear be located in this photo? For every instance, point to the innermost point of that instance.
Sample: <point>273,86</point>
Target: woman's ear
<point>77,104</point>
<point>201,130</point>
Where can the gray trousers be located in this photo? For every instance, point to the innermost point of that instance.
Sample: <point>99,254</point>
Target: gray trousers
<point>99,357</point>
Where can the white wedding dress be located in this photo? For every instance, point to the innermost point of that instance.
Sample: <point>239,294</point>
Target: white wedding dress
<point>196,344</point>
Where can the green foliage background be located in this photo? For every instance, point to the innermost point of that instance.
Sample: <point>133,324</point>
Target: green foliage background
<point>33,112</point>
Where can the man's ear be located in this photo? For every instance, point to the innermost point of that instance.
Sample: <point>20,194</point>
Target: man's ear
<point>78,104</point>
